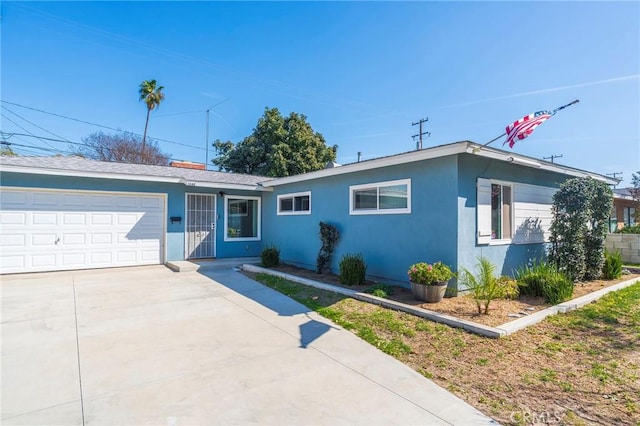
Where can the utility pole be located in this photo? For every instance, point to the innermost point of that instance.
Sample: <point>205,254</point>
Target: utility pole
<point>615,175</point>
<point>420,133</point>
<point>551,157</point>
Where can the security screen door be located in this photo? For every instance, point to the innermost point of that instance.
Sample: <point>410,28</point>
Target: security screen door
<point>201,226</point>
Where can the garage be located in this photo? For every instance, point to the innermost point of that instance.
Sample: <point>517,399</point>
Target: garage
<point>55,230</point>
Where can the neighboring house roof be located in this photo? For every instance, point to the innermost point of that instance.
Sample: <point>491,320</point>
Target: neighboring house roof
<point>623,193</point>
<point>463,147</point>
<point>83,167</point>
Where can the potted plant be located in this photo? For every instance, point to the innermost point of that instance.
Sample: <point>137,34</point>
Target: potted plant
<point>429,282</point>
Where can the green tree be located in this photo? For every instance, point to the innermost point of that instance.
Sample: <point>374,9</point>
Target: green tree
<point>121,148</point>
<point>581,209</point>
<point>152,95</point>
<point>279,146</point>
<point>7,151</point>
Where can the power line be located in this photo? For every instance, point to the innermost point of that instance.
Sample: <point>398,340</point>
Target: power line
<point>99,125</point>
<point>19,126</point>
<point>8,135</point>
<point>33,124</point>
<point>10,144</point>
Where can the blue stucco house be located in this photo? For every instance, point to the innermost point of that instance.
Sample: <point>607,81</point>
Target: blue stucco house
<point>452,203</point>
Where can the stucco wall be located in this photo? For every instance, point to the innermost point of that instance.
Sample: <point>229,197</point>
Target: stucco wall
<point>390,243</point>
<point>627,244</point>
<point>175,241</point>
<point>506,257</point>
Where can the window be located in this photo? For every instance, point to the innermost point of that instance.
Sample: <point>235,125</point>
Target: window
<point>500,212</point>
<point>241,218</point>
<point>513,213</point>
<point>298,203</point>
<point>613,220</point>
<point>381,198</point>
<point>629,216</point>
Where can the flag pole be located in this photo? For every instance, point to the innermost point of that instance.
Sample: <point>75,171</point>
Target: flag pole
<point>553,112</point>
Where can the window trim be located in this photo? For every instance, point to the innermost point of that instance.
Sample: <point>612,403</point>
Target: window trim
<point>483,236</point>
<point>227,238</point>
<point>377,186</point>
<point>293,195</point>
<point>501,241</point>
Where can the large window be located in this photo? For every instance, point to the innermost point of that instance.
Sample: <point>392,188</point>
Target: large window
<point>381,198</point>
<point>298,203</point>
<point>500,211</point>
<point>241,218</point>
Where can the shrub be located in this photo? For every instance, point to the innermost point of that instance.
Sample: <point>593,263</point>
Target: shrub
<point>329,237</point>
<point>509,288</point>
<point>612,268</point>
<point>635,229</point>
<point>270,257</point>
<point>380,290</point>
<point>543,279</point>
<point>352,269</point>
<point>581,210</point>
<point>484,287</point>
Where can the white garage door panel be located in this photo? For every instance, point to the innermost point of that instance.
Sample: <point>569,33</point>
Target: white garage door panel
<point>58,230</point>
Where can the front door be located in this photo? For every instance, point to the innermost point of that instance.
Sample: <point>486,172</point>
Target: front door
<point>201,226</point>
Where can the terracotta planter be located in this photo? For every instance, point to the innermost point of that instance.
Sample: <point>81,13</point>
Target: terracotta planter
<point>431,293</point>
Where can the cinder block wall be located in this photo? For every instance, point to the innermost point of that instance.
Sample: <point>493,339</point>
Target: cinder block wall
<point>627,244</point>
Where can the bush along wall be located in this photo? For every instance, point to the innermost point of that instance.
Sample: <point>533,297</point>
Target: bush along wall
<point>581,209</point>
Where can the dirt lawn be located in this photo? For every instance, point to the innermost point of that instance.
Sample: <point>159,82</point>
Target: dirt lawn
<point>580,368</point>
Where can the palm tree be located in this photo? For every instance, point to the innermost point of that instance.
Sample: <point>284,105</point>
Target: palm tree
<point>152,95</point>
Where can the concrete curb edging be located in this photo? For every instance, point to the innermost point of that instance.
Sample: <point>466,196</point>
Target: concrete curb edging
<point>476,328</point>
<point>579,302</point>
<point>473,327</point>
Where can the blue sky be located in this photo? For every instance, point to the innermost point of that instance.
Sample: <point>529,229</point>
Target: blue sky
<point>361,72</point>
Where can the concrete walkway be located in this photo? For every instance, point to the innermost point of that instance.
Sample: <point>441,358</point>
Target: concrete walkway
<point>149,346</point>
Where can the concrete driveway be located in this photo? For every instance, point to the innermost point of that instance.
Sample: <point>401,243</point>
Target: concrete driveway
<point>147,345</point>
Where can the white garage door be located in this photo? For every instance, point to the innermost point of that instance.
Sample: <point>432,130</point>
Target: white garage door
<point>43,230</point>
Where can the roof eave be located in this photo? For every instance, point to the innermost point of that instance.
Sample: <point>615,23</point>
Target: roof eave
<point>409,157</point>
<point>132,177</point>
<point>531,162</point>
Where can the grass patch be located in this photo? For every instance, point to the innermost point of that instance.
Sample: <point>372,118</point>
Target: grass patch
<point>588,358</point>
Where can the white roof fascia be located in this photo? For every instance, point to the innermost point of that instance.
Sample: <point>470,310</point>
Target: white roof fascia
<point>125,176</point>
<point>238,186</point>
<point>535,163</point>
<point>393,160</point>
<point>99,175</point>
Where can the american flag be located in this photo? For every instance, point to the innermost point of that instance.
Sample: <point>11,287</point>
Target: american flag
<point>523,127</point>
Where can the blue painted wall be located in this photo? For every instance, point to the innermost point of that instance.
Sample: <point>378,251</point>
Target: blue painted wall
<point>390,243</point>
<point>506,257</point>
<point>175,241</point>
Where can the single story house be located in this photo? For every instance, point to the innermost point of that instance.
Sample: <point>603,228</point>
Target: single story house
<point>452,203</point>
